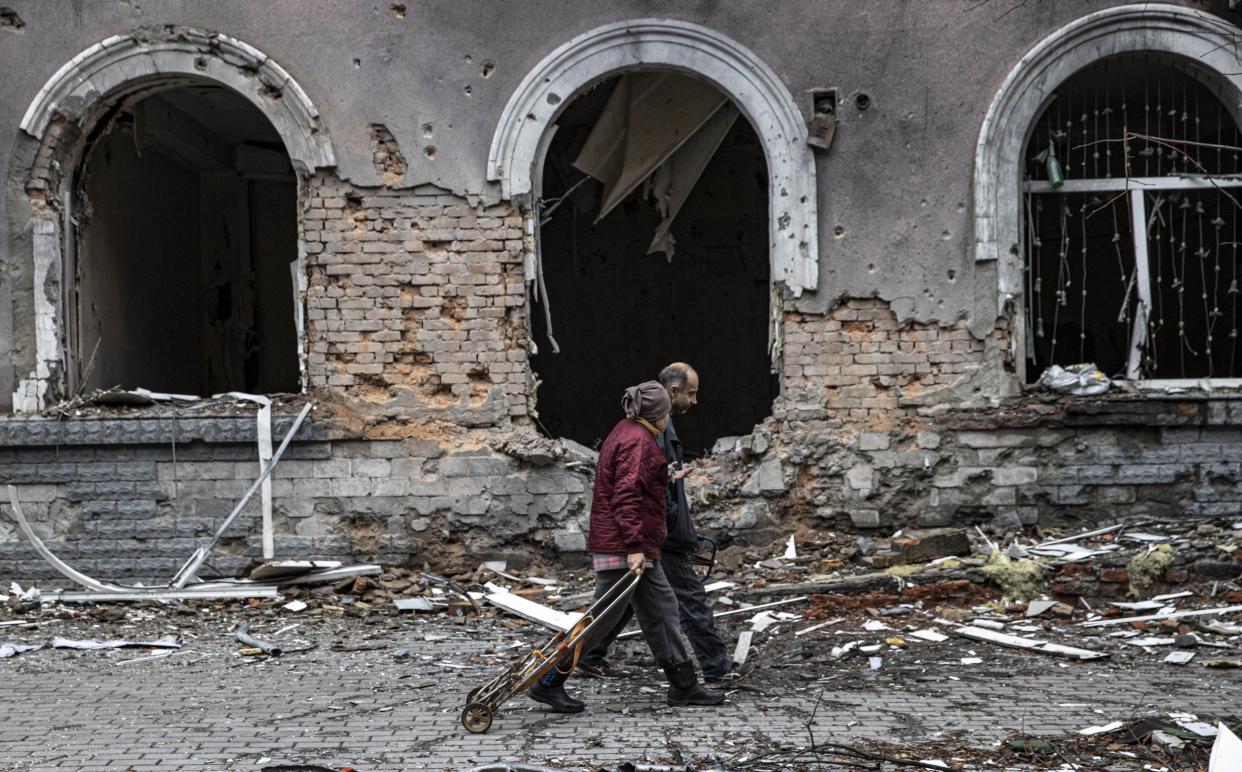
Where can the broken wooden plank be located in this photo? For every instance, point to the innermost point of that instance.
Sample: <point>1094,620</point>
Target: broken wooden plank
<point>1151,617</point>
<point>532,611</point>
<point>742,650</point>
<point>1015,642</point>
<point>732,612</point>
<point>241,591</point>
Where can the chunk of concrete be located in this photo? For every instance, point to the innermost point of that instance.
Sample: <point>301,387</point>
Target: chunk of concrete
<point>866,518</point>
<point>860,477</point>
<point>922,546</point>
<point>749,514</point>
<point>768,479</point>
<point>570,541</point>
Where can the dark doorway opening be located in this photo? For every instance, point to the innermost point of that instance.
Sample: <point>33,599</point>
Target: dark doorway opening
<point>186,224</point>
<point>620,313</point>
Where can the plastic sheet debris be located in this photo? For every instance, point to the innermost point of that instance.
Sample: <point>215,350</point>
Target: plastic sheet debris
<point>1081,380</point>
<point>13,649</point>
<point>295,605</point>
<point>413,604</point>
<point>169,642</point>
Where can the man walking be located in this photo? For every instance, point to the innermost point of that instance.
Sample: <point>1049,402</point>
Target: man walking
<point>682,383</point>
<point>628,523</point>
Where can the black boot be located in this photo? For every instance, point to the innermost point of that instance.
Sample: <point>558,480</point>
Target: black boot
<point>556,698</point>
<point>684,688</point>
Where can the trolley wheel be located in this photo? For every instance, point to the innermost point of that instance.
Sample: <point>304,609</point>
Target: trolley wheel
<point>477,718</point>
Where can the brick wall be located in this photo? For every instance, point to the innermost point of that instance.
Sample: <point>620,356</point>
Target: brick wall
<point>857,363</point>
<point>414,298</point>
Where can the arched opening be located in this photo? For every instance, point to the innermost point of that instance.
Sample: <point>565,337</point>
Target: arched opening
<point>653,248</point>
<point>185,242</point>
<point>1131,245</point>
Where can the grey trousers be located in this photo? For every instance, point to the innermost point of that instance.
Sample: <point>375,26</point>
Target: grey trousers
<point>696,621</point>
<point>655,604</point>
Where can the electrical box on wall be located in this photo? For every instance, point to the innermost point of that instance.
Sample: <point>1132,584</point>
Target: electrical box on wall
<point>823,124</point>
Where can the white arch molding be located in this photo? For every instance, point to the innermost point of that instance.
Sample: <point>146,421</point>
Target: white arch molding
<point>96,78</point>
<point>128,60</point>
<point>1207,40</point>
<point>763,98</point>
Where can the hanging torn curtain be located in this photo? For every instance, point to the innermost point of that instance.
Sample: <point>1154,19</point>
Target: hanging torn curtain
<point>659,128</point>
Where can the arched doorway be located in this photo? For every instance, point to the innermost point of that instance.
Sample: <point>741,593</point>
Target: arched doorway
<point>677,269</point>
<point>568,78</point>
<point>231,111</point>
<point>186,242</point>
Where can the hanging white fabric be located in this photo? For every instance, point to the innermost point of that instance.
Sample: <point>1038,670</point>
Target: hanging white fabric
<point>647,118</point>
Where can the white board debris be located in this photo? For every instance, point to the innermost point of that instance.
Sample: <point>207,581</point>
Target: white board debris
<point>1029,644</point>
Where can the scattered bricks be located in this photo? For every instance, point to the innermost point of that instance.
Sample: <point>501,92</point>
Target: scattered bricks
<point>1176,576</point>
<point>923,546</point>
<point>1118,575</point>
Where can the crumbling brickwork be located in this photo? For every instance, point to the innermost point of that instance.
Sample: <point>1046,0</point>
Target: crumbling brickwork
<point>415,301</point>
<point>857,363</point>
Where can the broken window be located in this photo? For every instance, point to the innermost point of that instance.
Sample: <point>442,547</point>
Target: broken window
<point>653,248</point>
<point>186,239</point>
<point>1131,214</point>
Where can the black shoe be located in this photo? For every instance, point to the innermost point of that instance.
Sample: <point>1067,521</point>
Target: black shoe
<point>556,698</point>
<point>684,688</point>
<point>603,669</point>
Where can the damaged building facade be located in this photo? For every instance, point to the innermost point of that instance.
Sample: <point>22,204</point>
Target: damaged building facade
<point>870,226</point>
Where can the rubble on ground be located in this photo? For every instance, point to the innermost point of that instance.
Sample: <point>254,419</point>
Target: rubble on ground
<point>824,607</point>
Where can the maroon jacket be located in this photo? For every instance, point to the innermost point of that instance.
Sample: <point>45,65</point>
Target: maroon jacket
<point>628,508</point>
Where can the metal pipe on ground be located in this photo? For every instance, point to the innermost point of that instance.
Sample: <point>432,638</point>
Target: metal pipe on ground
<point>242,635</point>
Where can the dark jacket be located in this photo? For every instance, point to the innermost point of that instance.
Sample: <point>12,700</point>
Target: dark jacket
<point>629,503</point>
<point>682,537</point>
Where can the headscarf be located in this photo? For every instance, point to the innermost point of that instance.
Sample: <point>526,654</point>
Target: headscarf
<point>648,401</point>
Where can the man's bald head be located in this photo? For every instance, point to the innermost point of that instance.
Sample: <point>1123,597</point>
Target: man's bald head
<point>682,384</point>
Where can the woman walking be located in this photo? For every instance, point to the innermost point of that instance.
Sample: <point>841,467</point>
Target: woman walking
<point>628,524</point>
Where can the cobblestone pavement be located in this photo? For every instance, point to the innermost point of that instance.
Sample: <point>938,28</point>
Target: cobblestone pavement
<point>206,708</point>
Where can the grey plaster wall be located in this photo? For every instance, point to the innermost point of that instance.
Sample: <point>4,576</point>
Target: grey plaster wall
<point>897,180</point>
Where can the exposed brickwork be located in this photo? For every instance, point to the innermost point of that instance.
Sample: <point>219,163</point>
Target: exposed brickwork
<point>858,361</point>
<point>415,298</point>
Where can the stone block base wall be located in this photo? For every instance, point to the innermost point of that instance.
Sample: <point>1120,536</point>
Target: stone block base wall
<point>113,498</point>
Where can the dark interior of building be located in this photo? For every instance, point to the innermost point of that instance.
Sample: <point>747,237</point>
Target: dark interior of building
<point>186,236</point>
<point>620,313</point>
<point>1081,288</point>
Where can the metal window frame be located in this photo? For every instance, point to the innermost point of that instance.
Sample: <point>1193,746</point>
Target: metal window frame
<point>1136,187</point>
